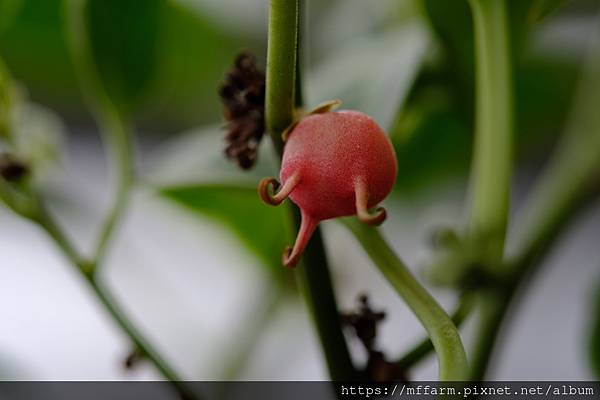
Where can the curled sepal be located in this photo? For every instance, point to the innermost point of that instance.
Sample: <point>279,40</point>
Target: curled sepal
<point>268,186</point>
<point>286,132</point>
<point>324,107</point>
<point>362,206</point>
<point>291,255</point>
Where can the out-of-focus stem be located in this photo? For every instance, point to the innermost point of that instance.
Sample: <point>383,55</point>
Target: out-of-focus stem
<point>115,128</point>
<point>444,336</point>
<point>492,159</point>
<point>569,182</point>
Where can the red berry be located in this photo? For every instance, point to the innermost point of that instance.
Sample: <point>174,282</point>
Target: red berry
<point>334,164</point>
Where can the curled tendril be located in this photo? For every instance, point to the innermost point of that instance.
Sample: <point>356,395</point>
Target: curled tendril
<point>268,186</point>
<point>362,206</point>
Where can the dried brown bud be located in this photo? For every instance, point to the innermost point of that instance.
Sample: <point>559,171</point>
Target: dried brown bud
<point>243,97</point>
<point>364,322</point>
<point>12,169</point>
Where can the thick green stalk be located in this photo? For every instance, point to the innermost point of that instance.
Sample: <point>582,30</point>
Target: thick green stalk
<point>282,98</point>
<point>440,328</point>
<point>492,160</point>
<point>565,187</point>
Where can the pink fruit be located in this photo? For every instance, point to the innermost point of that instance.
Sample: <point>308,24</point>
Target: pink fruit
<point>334,164</point>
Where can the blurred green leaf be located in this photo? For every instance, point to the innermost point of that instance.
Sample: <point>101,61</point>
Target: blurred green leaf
<point>192,54</point>
<point>193,171</point>
<point>260,227</point>
<point>373,74</point>
<point>452,25</point>
<point>432,142</point>
<point>433,135</point>
<point>197,157</point>
<point>595,334</point>
<point>39,139</point>
<point>123,36</point>
<point>542,8</point>
<point>8,10</point>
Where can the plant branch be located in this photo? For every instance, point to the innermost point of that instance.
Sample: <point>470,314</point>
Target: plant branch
<point>281,67</point>
<point>313,272</point>
<point>440,328</point>
<point>492,160</point>
<point>425,347</point>
<point>116,130</point>
<point>567,185</point>
<point>47,223</point>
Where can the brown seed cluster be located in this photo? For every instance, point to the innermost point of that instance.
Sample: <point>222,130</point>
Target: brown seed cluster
<point>243,96</point>
<point>11,169</point>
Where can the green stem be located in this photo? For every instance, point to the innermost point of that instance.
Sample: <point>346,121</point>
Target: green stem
<point>492,161</point>
<point>564,189</point>
<point>116,130</point>
<point>440,328</point>
<point>119,135</point>
<point>281,66</point>
<point>425,347</point>
<point>47,223</point>
<point>316,286</point>
<point>313,272</point>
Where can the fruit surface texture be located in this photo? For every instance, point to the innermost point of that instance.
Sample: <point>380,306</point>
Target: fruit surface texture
<point>334,164</point>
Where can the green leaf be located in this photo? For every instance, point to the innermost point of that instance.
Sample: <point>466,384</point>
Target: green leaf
<point>8,10</point>
<point>543,8</point>
<point>260,227</point>
<point>595,335</point>
<point>372,74</point>
<point>123,36</point>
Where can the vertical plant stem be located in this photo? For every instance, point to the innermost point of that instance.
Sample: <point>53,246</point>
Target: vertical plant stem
<point>492,161</point>
<point>281,67</point>
<point>564,189</point>
<point>446,340</point>
<point>313,272</point>
<point>316,285</point>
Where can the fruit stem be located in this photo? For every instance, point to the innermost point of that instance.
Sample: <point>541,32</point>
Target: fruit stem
<point>439,326</point>
<point>313,275</point>
<point>281,68</point>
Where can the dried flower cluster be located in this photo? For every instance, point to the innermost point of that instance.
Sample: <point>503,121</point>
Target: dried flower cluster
<point>243,96</point>
<point>364,323</point>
